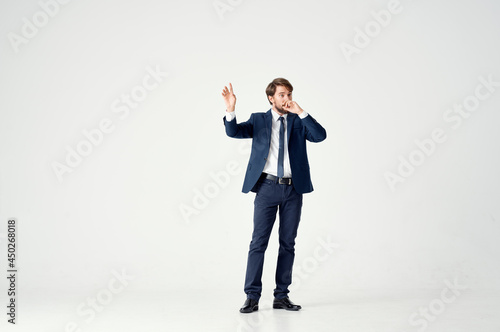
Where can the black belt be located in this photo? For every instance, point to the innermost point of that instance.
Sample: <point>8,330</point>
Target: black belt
<point>287,181</point>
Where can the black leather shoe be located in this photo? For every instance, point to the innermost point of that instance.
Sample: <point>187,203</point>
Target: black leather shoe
<point>286,304</point>
<point>249,306</point>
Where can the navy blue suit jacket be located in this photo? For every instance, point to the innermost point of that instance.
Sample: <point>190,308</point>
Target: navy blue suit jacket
<point>258,127</point>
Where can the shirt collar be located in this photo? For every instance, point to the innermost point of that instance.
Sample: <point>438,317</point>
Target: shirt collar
<point>276,116</point>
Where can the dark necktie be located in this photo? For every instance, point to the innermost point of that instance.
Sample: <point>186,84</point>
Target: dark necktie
<point>281,151</point>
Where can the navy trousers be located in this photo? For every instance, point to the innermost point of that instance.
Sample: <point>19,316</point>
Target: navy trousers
<point>270,198</point>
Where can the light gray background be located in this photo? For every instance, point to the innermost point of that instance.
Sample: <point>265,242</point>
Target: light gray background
<point>120,209</point>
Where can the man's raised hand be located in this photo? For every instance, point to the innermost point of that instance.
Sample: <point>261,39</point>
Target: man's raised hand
<point>229,98</point>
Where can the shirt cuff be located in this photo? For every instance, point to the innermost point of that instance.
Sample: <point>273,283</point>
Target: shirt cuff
<point>230,116</point>
<point>303,114</point>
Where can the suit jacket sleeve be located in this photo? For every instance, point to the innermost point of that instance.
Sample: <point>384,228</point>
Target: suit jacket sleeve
<point>314,131</point>
<point>239,130</point>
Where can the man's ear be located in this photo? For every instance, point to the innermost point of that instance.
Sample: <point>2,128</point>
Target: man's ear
<point>270,99</point>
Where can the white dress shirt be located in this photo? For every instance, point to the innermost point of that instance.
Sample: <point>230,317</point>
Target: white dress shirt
<point>271,166</point>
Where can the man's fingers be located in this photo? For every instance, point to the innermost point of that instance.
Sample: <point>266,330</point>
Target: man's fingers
<point>225,91</point>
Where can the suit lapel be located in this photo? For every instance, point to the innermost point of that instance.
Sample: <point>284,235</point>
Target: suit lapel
<point>269,121</point>
<point>289,124</point>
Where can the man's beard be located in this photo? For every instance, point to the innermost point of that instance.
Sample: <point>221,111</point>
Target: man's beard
<point>281,109</point>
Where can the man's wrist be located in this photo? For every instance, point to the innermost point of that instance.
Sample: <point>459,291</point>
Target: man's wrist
<point>303,114</point>
<point>230,115</point>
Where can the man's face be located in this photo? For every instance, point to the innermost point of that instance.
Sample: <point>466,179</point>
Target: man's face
<point>281,95</point>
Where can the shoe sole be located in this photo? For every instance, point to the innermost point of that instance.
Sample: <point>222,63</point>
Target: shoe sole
<point>288,309</point>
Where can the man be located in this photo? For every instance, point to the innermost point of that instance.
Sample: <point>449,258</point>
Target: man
<point>278,172</point>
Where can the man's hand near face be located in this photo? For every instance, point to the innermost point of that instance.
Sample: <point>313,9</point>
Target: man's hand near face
<point>292,107</point>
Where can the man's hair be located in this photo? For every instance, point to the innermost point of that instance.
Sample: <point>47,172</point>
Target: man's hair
<point>271,88</point>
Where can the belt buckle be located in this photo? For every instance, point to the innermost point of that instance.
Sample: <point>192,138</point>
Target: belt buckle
<point>284,181</point>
